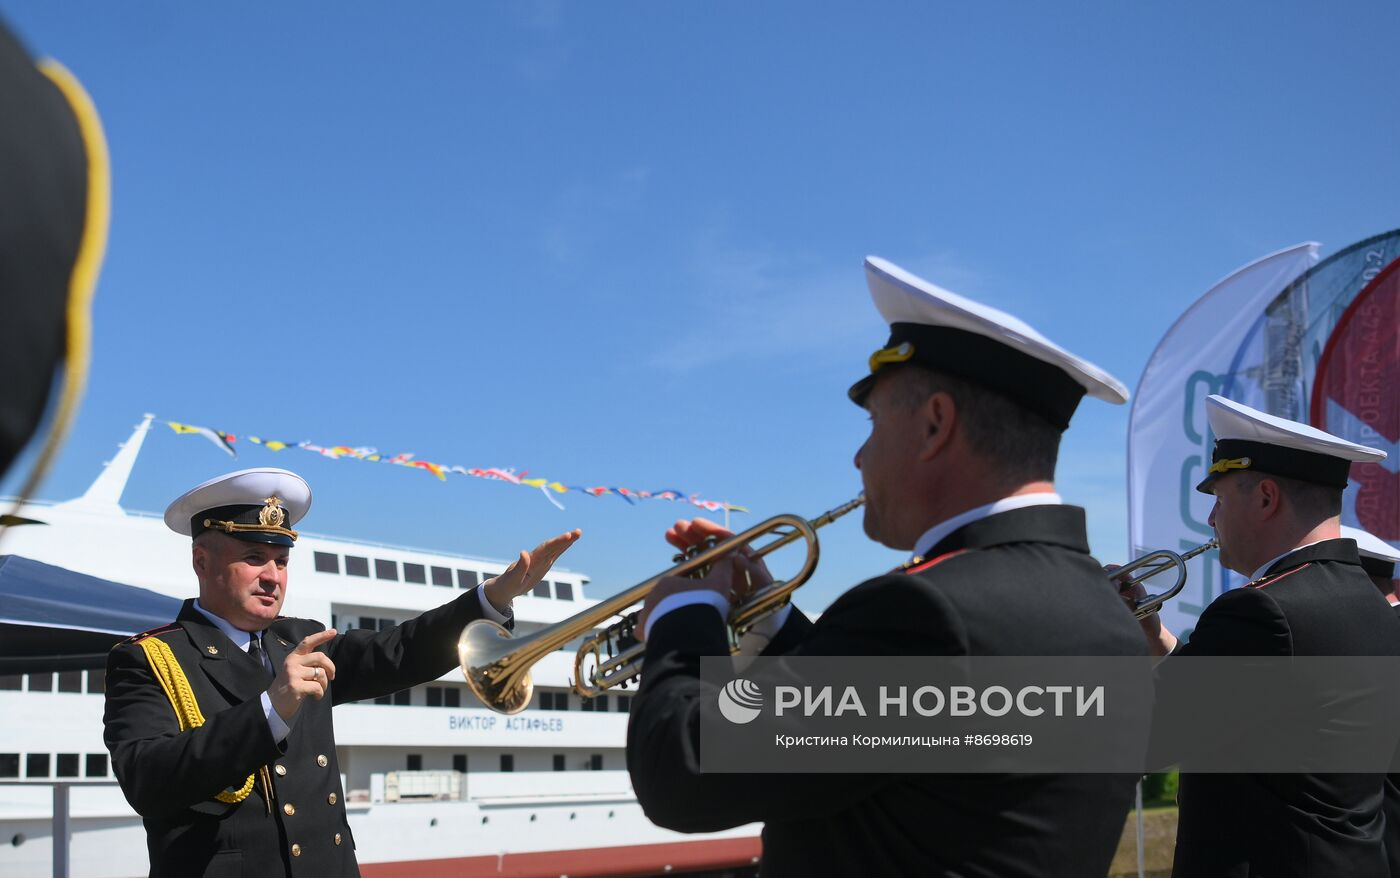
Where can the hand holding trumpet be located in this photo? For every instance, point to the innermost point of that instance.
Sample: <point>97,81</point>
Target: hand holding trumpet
<point>1160,641</point>
<point>733,576</point>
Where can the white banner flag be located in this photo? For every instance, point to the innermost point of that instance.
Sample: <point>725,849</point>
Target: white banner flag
<point>1169,442</point>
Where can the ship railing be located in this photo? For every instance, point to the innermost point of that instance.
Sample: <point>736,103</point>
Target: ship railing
<point>62,825</point>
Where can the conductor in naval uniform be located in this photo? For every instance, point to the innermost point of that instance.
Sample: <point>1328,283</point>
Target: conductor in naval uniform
<point>219,724</point>
<point>967,406</point>
<point>1278,498</point>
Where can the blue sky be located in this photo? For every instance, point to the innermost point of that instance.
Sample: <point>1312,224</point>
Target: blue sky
<point>621,244</point>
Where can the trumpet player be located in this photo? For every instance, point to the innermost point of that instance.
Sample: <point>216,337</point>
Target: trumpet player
<point>967,406</point>
<point>1278,497</point>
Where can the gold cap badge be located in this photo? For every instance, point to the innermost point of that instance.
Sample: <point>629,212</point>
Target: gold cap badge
<point>272,514</point>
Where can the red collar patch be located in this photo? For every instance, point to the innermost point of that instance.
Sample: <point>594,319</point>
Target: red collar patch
<point>1270,580</point>
<point>918,565</point>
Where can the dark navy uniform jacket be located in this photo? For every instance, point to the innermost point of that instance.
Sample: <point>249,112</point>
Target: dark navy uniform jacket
<point>172,778</point>
<point>1026,585</point>
<point>1316,601</point>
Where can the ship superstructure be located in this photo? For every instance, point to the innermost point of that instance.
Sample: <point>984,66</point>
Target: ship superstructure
<point>435,782</point>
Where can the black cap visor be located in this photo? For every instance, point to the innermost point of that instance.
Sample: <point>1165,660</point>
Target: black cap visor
<point>1241,455</point>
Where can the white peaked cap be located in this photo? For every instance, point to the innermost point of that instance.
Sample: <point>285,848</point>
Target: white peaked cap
<point>1248,439</point>
<point>1370,545</point>
<point>249,488</point>
<point>950,333</point>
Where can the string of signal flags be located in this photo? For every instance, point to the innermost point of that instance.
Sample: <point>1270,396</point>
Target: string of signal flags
<point>227,442</point>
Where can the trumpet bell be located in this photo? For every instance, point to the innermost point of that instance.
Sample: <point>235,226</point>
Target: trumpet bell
<point>483,652</point>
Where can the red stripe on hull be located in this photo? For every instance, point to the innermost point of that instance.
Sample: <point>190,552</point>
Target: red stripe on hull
<point>642,859</point>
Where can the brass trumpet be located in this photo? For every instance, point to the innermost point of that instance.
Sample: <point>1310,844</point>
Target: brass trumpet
<point>497,665</point>
<point>1157,562</point>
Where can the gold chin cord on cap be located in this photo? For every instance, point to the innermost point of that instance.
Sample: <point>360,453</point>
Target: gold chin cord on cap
<point>230,527</point>
<point>270,520</point>
<point>897,354</point>
<point>1224,466</point>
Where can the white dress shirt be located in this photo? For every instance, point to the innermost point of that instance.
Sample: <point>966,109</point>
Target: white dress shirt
<point>934,535</point>
<point>760,635</point>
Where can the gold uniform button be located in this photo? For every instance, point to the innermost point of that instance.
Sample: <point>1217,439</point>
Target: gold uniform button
<point>289,809</point>
<point>331,798</point>
<point>296,850</point>
<point>281,770</point>
<point>322,761</point>
<point>337,838</point>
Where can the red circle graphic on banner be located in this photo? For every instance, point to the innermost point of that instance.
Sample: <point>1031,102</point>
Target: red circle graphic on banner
<point>1356,395</point>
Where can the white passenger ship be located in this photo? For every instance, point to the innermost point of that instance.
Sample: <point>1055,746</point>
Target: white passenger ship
<point>436,783</point>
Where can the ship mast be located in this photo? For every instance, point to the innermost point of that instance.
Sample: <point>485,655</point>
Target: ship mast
<point>105,493</point>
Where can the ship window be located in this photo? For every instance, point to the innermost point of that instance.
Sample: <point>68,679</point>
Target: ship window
<point>9,765</point>
<point>67,765</point>
<point>452,696</point>
<point>595,762</point>
<point>467,579</point>
<point>561,701</point>
<point>369,622</point>
<point>386,569</point>
<point>96,682</point>
<point>507,762</point>
<point>12,681</point>
<point>542,589</point>
<point>459,762</point>
<point>356,566</point>
<point>327,562</point>
<point>386,624</point>
<point>36,765</point>
<point>415,573</point>
<point>558,761</point>
<point>546,701</point>
<point>434,696</point>
<point>442,576</point>
<point>585,704</point>
<point>97,765</point>
<point>563,591</point>
<point>602,704</point>
<point>70,681</point>
<point>41,682</point>
<point>624,704</point>
<point>415,762</point>
<point>403,697</point>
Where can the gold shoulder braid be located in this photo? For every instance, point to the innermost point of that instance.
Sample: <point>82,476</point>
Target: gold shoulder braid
<point>177,688</point>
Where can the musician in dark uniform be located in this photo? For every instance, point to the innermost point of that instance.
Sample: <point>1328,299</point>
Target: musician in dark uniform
<point>1278,496</point>
<point>1378,559</point>
<point>967,407</point>
<point>219,724</point>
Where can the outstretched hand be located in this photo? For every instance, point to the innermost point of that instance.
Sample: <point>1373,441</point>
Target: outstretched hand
<point>526,571</point>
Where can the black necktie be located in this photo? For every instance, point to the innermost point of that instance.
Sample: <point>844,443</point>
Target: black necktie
<point>255,650</point>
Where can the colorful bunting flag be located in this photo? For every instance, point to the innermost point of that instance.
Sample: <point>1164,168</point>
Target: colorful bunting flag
<point>225,441</point>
